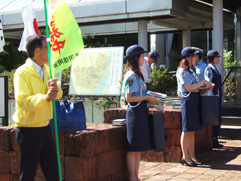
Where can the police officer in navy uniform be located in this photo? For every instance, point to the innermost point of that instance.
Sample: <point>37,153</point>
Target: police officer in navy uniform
<point>138,132</point>
<point>146,67</point>
<point>212,75</point>
<point>190,104</point>
<point>200,65</point>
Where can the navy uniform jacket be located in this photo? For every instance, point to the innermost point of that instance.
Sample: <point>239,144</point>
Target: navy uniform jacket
<point>212,75</point>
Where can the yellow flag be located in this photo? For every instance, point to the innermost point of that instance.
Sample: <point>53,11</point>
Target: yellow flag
<point>65,36</point>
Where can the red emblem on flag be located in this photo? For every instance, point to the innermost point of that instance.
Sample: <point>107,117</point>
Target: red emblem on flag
<point>55,34</point>
<point>35,26</point>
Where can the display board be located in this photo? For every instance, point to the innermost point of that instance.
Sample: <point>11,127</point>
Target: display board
<point>2,97</point>
<point>97,71</point>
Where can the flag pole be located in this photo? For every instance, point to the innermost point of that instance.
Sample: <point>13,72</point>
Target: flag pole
<point>53,101</point>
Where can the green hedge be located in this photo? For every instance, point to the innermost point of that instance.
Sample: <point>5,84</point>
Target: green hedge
<point>163,81</point>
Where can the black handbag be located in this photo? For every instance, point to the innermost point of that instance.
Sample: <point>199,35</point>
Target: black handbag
<point>157,132</point>
<point>210,110</point>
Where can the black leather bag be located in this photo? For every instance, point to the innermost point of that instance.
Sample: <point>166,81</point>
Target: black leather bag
<point>157,132</point>
<point>210,110</point>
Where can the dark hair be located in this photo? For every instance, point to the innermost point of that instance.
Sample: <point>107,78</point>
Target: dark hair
<point>33,42</point>
<point>211,60</point>
<point>184,64</point>
<point>132,64</point>
<point>200,55</point>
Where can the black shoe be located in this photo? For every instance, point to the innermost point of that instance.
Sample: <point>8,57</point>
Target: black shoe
<point>183,161</point>
<point>217,146</point>
<point>196,162</point>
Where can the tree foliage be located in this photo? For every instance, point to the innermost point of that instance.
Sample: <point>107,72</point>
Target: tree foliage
<point>230,85</point>
<point>163,81</point>
<point>91,41</point>
<point>11,58</point>
<point>228,59</point>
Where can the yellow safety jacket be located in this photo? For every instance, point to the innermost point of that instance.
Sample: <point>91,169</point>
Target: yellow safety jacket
<point>32,107</point>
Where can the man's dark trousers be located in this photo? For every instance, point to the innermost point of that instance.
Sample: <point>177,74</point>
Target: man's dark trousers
<point>37,146</point>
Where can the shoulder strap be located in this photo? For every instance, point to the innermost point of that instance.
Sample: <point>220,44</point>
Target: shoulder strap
<point>123,103</point>
<point>194,74</point>
<point>179,90</point>
<point>142,81</point>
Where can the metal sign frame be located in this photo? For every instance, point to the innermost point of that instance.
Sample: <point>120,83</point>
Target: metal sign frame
<point>4,100</point>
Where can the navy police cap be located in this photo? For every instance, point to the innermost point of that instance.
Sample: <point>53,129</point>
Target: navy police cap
<point>134,51</point>
<point>155,55</point>
<point>198,49</point>
<point>187,51</point>
<point>213,53</point>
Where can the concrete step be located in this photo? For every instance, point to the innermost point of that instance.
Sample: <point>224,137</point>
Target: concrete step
<point>231,120</point>
<point>234,110</point>
<point>227,131</point>
<point>230,127</point>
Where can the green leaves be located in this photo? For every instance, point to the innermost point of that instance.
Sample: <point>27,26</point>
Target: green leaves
<point>230,86</point>
<point>90,42</point>
<point>11,58</point>
<point>228,59</point>
<point>163,81</point>
<point>107,103</point>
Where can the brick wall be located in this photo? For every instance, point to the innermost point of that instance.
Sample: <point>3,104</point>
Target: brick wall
<point>98,153</point>
<point>173,130</point>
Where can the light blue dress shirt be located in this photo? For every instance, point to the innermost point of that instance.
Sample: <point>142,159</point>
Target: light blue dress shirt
<point>185,77</point>
<point>200,67</point>
<point>146,71</point>
<point>137,87</point>
<point>39,69</point>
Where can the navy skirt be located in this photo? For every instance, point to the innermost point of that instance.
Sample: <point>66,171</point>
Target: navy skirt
<point>191,112</point>
<point>138,129</point>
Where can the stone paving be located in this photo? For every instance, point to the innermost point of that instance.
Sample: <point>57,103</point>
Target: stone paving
<point>218,165</point>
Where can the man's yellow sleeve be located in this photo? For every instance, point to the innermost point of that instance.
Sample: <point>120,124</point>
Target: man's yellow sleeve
<point>24,99</point>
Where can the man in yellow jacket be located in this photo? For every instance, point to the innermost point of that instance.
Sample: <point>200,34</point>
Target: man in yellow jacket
<point>34,94</point>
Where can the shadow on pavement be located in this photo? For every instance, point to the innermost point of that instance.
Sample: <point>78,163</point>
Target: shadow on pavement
<point>226,158</point>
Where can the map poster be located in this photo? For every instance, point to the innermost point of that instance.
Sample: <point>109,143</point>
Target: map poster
<point>97,71</point>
